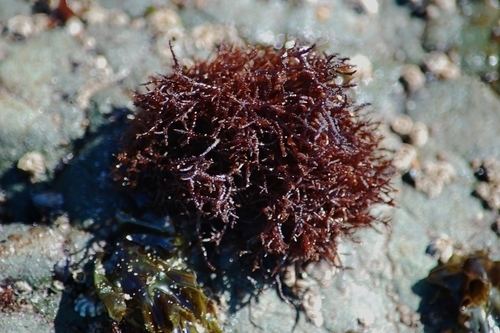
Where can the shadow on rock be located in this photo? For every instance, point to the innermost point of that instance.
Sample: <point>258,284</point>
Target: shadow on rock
<point>18,205</point>
<point>80,185</point>
<point>437,314</point>
<point>94,202</point>
<point>91,199</point>
<point>90,196</point>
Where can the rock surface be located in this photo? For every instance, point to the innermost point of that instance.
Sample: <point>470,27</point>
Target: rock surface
<point>65,94</point>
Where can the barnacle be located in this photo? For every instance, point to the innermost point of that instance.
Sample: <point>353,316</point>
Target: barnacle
<point>146,286</point>
<point>263,147</point>
<point>470,286</point>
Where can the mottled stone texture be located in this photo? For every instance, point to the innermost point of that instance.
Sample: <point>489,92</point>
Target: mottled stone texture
<point>64,95</point>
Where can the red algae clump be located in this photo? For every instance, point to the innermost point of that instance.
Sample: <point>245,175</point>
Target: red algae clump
<point>261,148</point>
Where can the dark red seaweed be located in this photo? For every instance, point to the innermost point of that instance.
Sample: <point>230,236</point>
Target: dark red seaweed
<point>263,146</point>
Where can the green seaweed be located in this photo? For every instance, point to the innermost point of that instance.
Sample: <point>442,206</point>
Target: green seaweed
<point>149,288</point>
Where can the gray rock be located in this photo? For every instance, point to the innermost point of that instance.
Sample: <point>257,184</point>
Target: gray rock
<point>128,51</point>
<point>254,25</point>
<point>42,82</point>
<point>104,102</point>
<point>479,48</point>
<point>133,8</point>
<point>345,31</point>
<point>37,109</point>
<point>443,32</point>
<point>90,195</point>
<point>11,8</point>
<point>39,246</point>
<point>383,92</point>
<point>24,322</point>
<point>362,288</point>
<point>462,116</point>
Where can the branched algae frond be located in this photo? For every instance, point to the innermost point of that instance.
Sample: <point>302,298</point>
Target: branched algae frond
<point>264,148</point>
<point>146,287</point>
<point>258,150</point>
<point>470,286</point>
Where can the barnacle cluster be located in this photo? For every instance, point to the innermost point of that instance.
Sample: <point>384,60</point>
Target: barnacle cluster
<point>487,171</point>
<point>145,286</point>
<point>263,147</point>
<point>469,287</point>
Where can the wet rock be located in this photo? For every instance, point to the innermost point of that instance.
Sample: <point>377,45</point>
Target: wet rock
<point>375,293</point>
<point>130,55</point>
<point>446,5</point>
<point>355,288</point>
<point>40,246</point>
<point>133,8</point>
<point>312,307</point>
<point>46,69</point>
<point>351,31</point>
<point>208,36</point>
<point>442,32</point>
<point>385,78</point>
<point>414,225</point>
<point>37,113</point>
<point>23,322</point>
<point>90,195</point>
<point>11,8</point>
<point>461,115</point>
<point>253,26</point>
<point>479,47</point>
